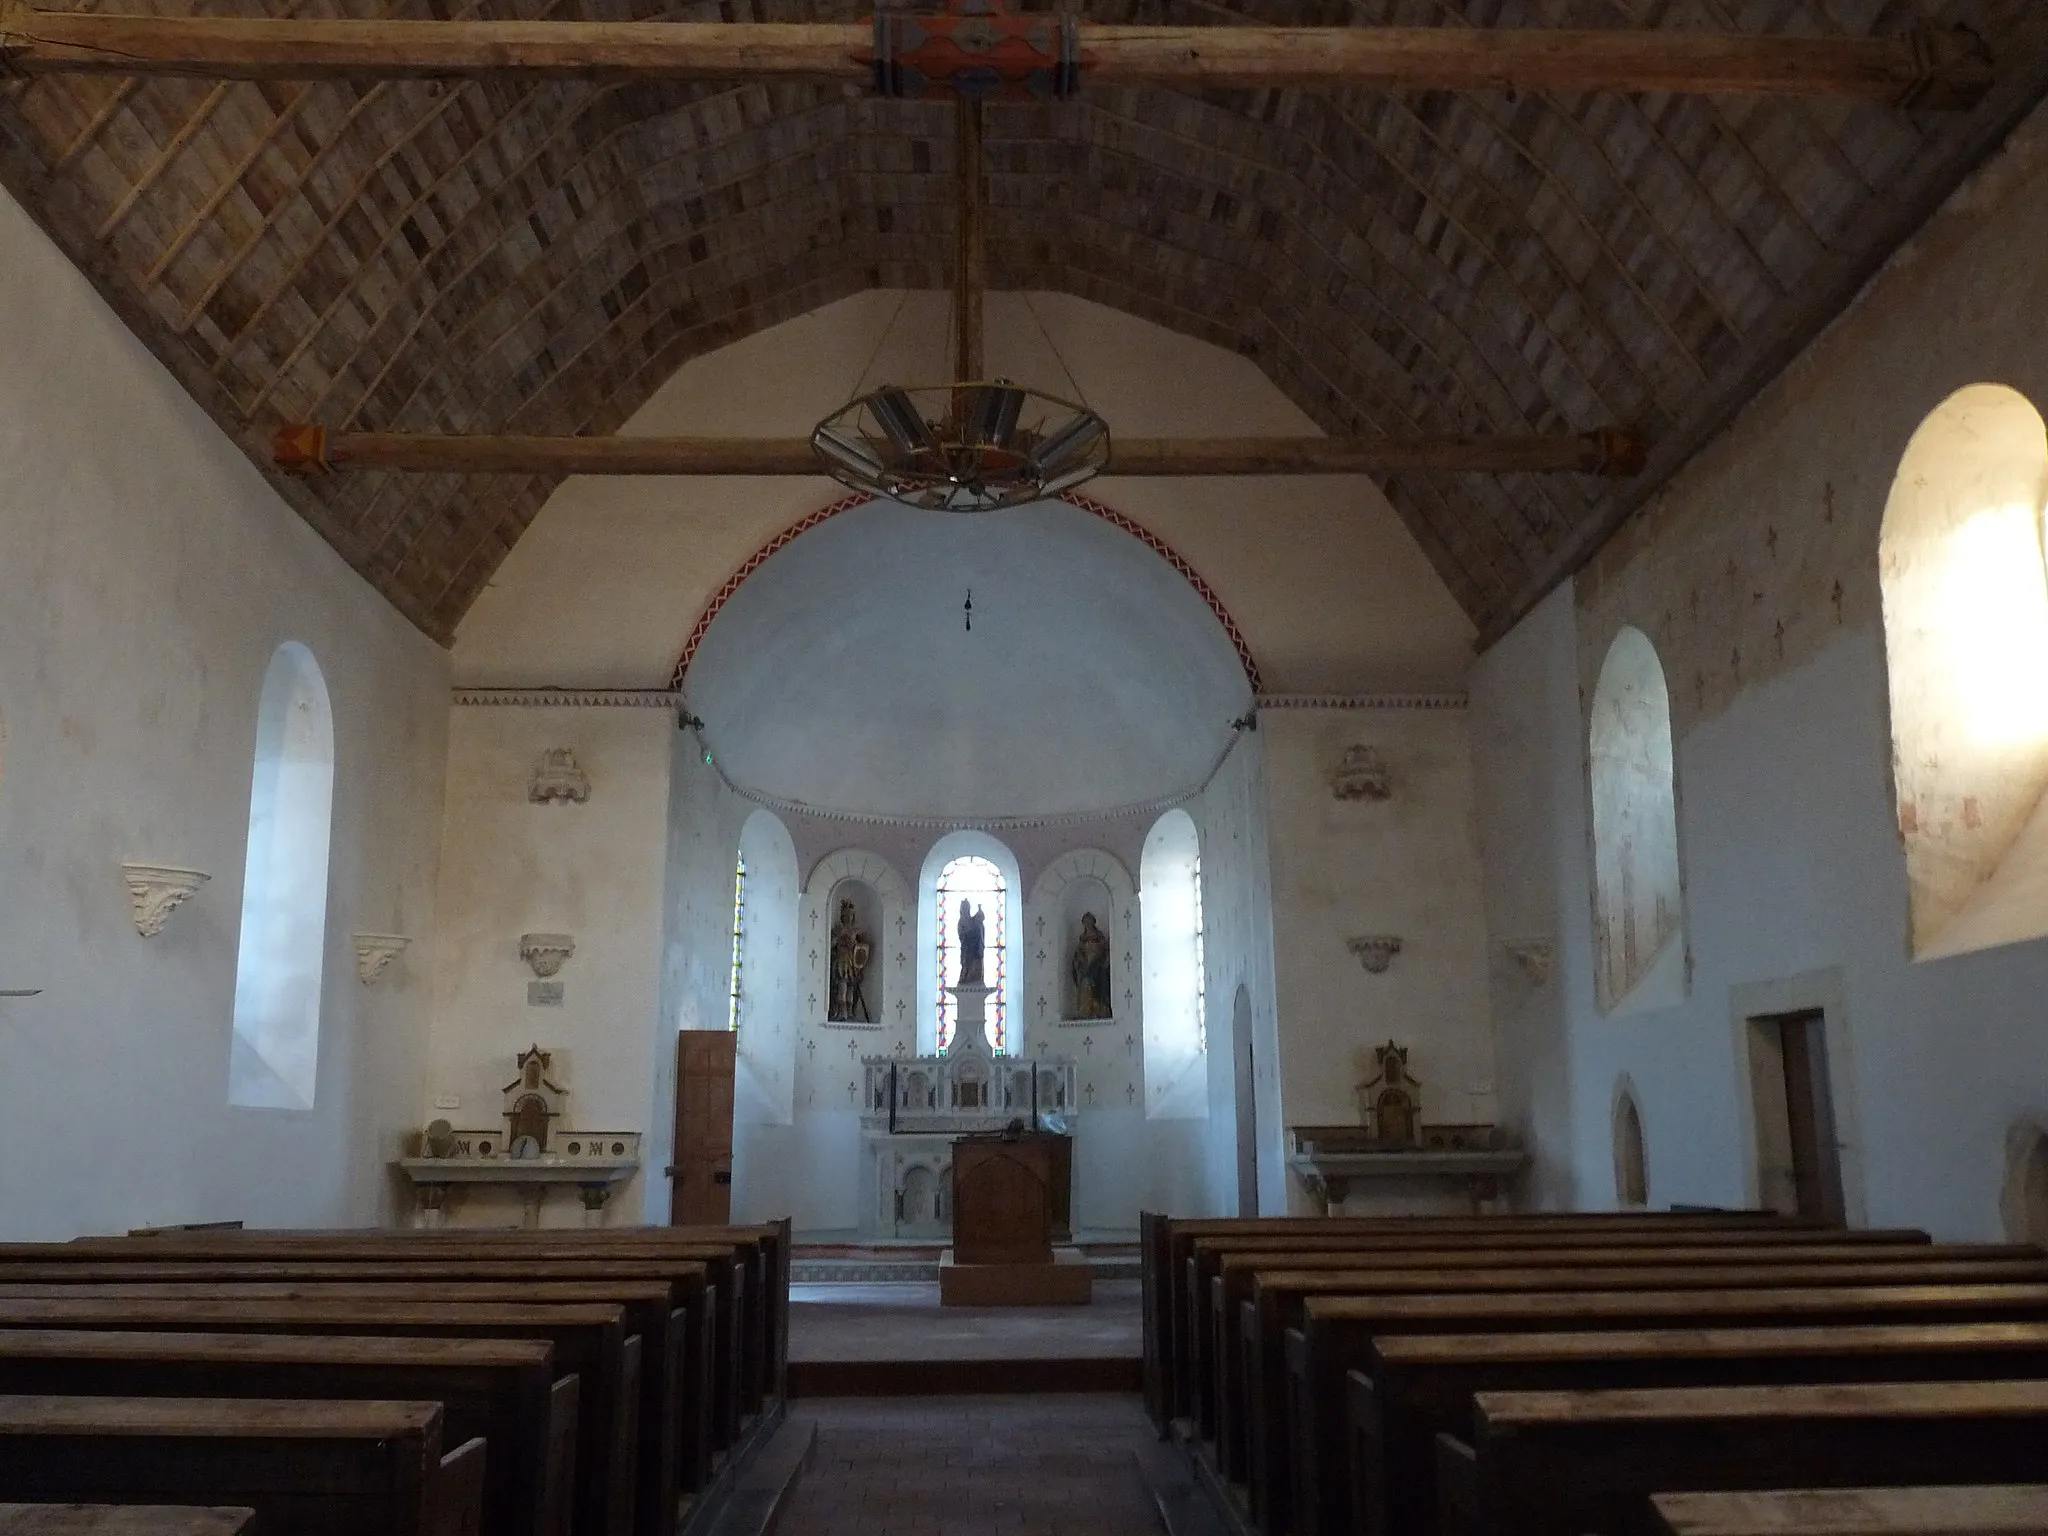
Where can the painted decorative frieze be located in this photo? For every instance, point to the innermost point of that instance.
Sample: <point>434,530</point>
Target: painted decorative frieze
<point>558,779</point>
<point>1375,951</point>
<point>547,953</point>
<point>375,952</point>
<point>158,890</point>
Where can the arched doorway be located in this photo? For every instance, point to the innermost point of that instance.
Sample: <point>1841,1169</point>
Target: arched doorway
<point>1245,1097</point>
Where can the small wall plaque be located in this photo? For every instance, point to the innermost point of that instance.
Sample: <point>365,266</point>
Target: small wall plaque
<point>544,994</point>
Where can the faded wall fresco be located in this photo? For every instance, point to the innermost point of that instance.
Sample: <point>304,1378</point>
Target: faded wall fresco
<point>1636,900</point>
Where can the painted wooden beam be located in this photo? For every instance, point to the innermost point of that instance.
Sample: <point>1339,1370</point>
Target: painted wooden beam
<point>313,450</point>
<point>1930,67</point>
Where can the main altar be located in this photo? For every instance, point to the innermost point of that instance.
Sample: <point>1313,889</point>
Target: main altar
<point>915,1107</point>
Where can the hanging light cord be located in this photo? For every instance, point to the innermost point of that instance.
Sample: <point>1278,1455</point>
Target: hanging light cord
<point>860,384</point>
<point>1054,347</point>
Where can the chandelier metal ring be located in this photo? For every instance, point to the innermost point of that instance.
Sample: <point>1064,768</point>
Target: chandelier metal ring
<point>974,447</point>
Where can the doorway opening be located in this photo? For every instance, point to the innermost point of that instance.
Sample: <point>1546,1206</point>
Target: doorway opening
<point>1246,1095</point>
<point>1799,1149</point>
<point>700,1188</point>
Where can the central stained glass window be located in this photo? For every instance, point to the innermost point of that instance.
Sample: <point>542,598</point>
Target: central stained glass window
<point>978,881</point>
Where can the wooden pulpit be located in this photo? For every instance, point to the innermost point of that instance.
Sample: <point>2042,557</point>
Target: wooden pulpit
<point>1009,1199</point>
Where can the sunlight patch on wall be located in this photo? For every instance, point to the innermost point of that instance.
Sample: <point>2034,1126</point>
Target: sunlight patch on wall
<point>1965,592</point>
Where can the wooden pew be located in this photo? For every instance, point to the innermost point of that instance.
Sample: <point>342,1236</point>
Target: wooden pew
<point>126,1520</point>
<point>1163,1248</point>
<point>1208,1256</point>
<point>1187,1304</point>
<point>667,1414</point>
<point>768,1245</point>
<point>1314,1402</point>
<point>1219,1353</point>
<point>1565,1463</point>
<point>763,1370</point>
<point>1411,1388</point>
<point>503,1391</point>
<point>711,1343</point>
<point>589,1340</point>
<point>309,1468</point>
<point>2007,1510</point>
<point>1253,1406</point>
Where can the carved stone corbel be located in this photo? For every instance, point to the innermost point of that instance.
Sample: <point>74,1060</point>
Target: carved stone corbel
<point>1534,957</point>
<point>158,890</point>
<point>547,953</point>
<point>1362,775</point>
<point>376,951</point>
<point>1375,951</point>
<point>558,779</point>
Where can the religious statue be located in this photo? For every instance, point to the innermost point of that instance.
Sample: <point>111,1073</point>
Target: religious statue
<point>1089,969</point>
<point>851,951</point>
<point>971,927</point>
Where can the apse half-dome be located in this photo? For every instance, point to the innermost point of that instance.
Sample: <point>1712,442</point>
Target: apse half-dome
<point>843,675</point>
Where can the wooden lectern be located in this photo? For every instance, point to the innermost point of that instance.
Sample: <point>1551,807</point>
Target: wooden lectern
<point>1005,1198</point>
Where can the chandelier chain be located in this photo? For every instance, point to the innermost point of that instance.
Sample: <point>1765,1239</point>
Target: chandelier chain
<point>1057,356</point>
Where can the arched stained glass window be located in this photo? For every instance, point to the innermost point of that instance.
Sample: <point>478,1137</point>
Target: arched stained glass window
<point>978,882</point>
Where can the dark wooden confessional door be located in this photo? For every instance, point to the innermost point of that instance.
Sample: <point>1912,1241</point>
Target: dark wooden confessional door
<point>700,1179</point>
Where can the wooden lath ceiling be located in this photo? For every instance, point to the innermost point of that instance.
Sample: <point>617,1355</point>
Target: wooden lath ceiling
<point>490,256</point>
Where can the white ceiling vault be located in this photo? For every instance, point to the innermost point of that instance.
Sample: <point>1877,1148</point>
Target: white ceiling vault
<point>844,675</point>
<point>1331,591</point>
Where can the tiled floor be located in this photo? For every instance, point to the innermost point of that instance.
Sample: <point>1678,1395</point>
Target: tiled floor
<point>906,1322</point>
<point>974,1466</point>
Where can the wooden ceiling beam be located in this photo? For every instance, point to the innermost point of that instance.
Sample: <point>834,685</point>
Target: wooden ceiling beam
<point>312,450</point>
<point>1931,67</point>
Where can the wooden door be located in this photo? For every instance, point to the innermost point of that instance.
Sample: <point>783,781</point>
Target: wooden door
<point>1799,1159</point>
<point>1809,1105</point>
<point>700,1178</point>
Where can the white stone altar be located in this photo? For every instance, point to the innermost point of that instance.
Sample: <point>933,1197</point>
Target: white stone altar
<point>915,1106</point>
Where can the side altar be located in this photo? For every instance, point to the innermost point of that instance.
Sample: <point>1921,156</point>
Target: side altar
<point>916,1107</point>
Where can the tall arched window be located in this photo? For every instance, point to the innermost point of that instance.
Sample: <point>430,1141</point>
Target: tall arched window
<point>276,1048</point>
<point>977,882</point>
<point>1176,988</point>
<point>739,939</point>
<point>1965,595</point>
<point>1638,937</point>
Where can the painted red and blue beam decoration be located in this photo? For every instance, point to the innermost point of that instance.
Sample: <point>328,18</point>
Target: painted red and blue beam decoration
<point>975,50</point>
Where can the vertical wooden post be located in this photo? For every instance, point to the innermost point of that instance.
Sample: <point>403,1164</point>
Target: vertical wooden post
<point>970,259</point>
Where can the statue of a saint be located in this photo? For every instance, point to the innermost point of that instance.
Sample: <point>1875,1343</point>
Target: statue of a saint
<point>851,951</point>
<point>970,945</point>
<point>1089,970</point>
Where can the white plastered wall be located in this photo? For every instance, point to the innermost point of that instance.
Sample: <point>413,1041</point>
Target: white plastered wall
<point>1756,575</point>
<point>1406,867</point>
<point>595,871</point>
<point>147,576</point>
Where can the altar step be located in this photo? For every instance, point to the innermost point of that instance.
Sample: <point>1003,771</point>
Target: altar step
<point>955,1378</point>
<point>918,1264</point>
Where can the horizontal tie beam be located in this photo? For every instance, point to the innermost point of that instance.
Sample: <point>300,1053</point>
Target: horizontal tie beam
<point>1930,67</point>
<point>312,450</point>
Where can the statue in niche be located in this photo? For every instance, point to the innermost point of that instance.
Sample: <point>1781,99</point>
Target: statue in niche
<point>1089,970</point>
<point>851,952</point>
<point>971,930</point>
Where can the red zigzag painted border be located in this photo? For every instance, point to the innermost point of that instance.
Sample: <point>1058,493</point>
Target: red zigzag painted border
<point>1109,515</point>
